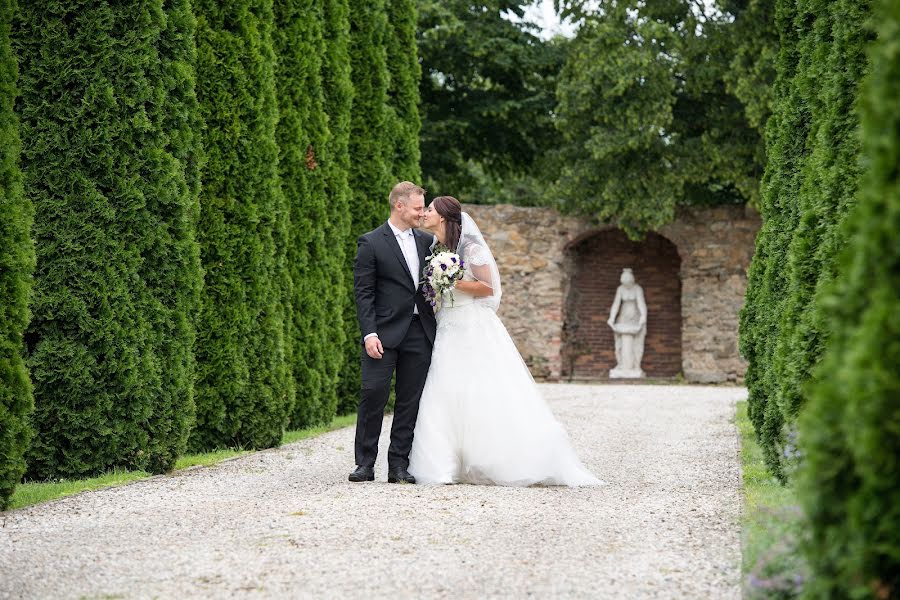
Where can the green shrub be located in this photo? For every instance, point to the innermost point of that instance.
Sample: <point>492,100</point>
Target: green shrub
<point>403,122</point>
<point>338,92</point>
<point>303,136</point>
<point>786,134</point>
<point>810,183</point>
<point>109,158</point>
<point>850,430</point>
<point>830,175</point>
<point>16,266</point>
<point>244,385</point>
<point>369,175</point>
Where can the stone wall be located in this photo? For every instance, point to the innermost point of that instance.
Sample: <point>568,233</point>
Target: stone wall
<point>536,250</point>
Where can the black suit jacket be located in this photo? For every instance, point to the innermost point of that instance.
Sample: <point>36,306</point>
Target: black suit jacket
<point>384,288</point>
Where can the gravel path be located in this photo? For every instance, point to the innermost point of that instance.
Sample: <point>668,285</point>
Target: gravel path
<point>286,523</point>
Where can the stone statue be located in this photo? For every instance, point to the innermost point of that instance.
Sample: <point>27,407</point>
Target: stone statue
<point>628,319</point>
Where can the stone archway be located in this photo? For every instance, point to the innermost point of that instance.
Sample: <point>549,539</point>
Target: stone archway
<point>595,262</point>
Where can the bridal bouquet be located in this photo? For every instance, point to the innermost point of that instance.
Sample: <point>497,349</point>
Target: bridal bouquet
<point>442,270</point>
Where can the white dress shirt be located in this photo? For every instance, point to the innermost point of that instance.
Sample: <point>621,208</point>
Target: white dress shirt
<point>407,242</point>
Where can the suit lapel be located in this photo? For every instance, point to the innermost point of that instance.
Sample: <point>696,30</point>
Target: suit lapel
<point>395,246</point>
<point>422,245</point>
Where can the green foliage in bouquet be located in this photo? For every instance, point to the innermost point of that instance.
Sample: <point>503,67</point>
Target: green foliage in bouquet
<point>16,266</point>
<point>809,185</point>
<point>316,332</point>
<point>109,125</point>
<point>245,390</point>
<point>338,92</point>
<point>850,430</point>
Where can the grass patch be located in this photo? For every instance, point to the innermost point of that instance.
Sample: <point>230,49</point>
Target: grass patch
<point>35,492</point>
<point>772,526</point>
<point>29,493</point>
<point>207,459</point>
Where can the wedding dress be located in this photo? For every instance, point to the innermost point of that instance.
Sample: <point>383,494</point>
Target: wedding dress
<point>482,418</point>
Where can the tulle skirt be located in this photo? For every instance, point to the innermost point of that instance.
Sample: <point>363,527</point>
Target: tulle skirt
<point>482,418</point>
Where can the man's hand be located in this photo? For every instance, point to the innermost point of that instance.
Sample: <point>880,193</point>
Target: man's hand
<point>374,347</point>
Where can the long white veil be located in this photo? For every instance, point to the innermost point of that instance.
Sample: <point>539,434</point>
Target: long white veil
<point>476,254</point>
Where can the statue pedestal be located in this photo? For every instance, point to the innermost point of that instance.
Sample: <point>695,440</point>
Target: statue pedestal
<point>618,373</point>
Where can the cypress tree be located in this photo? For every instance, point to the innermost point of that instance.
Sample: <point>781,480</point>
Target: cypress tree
<point>786,135</point>
<point>830,176</point>
<point>171,255</point>
<point>850,429</point>
<point>109,160</point>
<point>403,91</point>
<point>244,386</point>
<point>370,172</point>
<point>809,184</point>
<point>16,266</point>
<point>304,143</point>
<point>338,91</point>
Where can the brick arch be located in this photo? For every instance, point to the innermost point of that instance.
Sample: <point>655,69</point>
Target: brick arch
<point>595,261</point>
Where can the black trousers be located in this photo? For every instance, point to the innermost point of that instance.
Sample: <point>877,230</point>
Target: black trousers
<point>410,360</point>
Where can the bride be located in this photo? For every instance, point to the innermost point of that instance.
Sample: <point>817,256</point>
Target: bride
<point>481,417</point>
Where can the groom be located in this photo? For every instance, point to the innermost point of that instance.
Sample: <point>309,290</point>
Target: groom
<point>398,328</point>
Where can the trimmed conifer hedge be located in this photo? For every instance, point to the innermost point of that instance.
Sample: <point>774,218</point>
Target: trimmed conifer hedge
<point>369,174</point>
<point>403,90</point>
<point>850,430</point>
<point>810,183</point>
<point>244,385</point>
<point>16,266</point>
<point>315,259</point>
<point>786,133</point>
<point>109,159</point>
<point>338,91</point>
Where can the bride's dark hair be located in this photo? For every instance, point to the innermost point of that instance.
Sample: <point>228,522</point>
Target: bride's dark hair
<point>450,208</point>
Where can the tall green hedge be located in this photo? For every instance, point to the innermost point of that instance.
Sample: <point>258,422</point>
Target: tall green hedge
<point>850,430</point>
<point>338,90</point>
<point>171,254</point>
<point>304,138</point>
<point>109,158</point>
<point>786,134</point>
<point>810,182</point>
<point>244,385</point>
<point>403,122</point>
<point>830,177</point>
<point>16,265</point>
<point>370,170</point>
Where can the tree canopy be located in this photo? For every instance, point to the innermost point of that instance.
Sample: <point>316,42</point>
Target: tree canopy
<point>652,115</point>
<point>487,99</point>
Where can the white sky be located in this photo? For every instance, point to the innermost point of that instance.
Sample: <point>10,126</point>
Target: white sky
<point>542,13</point>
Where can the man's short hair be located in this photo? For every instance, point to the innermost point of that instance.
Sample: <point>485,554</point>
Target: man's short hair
<point>404,191</point>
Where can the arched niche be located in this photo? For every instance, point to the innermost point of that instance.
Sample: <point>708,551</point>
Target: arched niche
<point>595,262</point>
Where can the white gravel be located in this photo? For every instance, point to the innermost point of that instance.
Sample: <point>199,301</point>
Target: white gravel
<point>286,523</point>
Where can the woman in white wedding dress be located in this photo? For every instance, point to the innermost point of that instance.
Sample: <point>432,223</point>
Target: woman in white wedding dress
<point>482,418</point>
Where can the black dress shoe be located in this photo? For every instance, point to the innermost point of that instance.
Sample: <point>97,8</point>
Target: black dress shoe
<point>400,475</point>
<point>362,474</point>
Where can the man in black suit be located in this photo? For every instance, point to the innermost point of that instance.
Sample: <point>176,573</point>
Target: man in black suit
<point>398,328</point>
